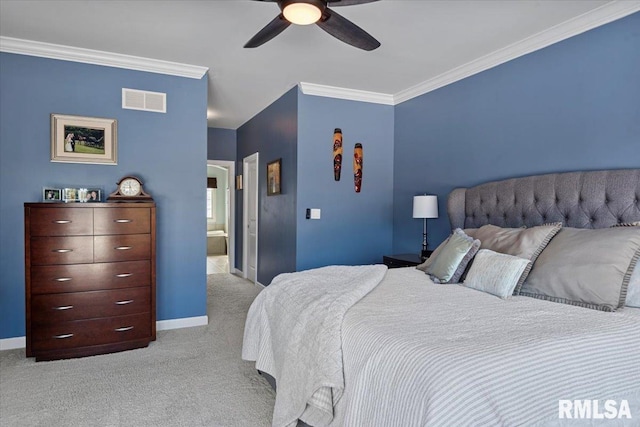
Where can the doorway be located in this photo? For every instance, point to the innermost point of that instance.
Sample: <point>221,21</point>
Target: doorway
<point>220,217</point>
<point>250,218</point>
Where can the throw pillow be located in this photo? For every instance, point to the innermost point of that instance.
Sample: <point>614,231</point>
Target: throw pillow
<point>451,260</point>
<point>585,267</point>
<point>525,243</point>
<point>495,273</point>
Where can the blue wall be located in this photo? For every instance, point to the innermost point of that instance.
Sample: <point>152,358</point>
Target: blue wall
<point>167,151</point>
<point>221,144</point>
<point>272,133</point>
<point>574,105</point>
<point>355,228</point>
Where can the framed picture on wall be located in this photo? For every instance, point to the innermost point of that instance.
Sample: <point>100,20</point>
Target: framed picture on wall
<point>77,139</point>
<point>273,177</point>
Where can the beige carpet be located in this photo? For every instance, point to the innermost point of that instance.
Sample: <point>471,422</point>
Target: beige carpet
<point>188,377</point>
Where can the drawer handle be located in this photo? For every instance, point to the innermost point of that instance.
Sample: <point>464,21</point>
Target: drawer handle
<point>122,221</point>
<point>123,248</point>
<point>62,221</point>
<point>63,336</point>
<point>63,307</point>
<point>129,301</point>
<point>62,251</point>
<point>124,329</point>
<point>124,275</point>
<point>62,279</point>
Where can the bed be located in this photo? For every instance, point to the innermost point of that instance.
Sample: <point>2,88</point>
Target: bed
<point>354,346</point>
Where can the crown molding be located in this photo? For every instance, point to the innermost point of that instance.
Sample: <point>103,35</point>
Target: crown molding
<point>580,24</point>
<point>345,93</point>
<point>97,57</point>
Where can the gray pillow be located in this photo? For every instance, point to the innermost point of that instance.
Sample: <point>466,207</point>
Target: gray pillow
<point>525,243</point>
<point>495,273</point>
<point>449,260</point>
<point>587,268</point>
<point>627,224</point>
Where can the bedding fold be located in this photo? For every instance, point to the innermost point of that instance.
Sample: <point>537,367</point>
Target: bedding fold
<point>293,333</point>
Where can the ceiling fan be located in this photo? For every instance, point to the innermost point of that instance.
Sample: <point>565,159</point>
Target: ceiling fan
<point>305,12</point>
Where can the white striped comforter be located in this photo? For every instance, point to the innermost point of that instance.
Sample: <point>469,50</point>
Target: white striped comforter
<point>293,333</point>
<point>420,354</point>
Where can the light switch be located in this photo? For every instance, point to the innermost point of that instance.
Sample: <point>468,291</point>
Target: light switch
<point>315,213</point>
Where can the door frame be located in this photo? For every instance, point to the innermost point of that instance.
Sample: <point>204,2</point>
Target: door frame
<point>245,214</point>
<point>231,232</point>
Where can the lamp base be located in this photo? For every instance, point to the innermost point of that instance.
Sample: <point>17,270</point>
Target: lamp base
<point>424,254</point>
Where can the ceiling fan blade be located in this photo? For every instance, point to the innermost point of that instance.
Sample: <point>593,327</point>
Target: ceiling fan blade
<point>272,29</point>
<point>333,3</point>
<point>345,30</point>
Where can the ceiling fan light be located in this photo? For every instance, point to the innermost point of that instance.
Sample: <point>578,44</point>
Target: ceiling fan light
<point>302,13</point>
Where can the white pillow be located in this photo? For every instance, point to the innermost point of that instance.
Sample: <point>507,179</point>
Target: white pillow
<point>633,291</point>
<point>495,273</point>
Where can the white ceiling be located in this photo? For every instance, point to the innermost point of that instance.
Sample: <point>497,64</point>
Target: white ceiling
<point>421,41</point>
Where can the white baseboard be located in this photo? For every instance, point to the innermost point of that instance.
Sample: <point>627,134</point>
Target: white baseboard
<point>161,325</point>
<point>13,343</point>
<point>185,322</point>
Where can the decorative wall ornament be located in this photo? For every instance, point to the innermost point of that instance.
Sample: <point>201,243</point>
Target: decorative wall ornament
<point>357,167</point>
<point>337,153</point>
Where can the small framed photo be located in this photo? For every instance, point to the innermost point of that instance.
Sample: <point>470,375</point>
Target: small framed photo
<point>51,194</point>
<point>69,195</point>
<point>76,139</point>
<point>273,177</point>
<point>89,195</point>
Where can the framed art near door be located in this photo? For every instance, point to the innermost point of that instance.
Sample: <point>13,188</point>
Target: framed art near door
<point>273,177</point>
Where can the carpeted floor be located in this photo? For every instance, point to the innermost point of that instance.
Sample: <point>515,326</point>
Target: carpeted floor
<point>188,377</point>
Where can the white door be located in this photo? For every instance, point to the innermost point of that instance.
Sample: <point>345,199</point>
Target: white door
<point>250,203</point>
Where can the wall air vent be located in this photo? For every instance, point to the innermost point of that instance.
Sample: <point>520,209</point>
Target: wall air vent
<point>133,99</point>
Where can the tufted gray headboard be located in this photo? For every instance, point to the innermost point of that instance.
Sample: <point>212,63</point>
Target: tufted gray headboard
<point>594,199</point>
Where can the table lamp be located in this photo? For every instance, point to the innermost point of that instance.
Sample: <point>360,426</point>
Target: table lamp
<point>425,206</point>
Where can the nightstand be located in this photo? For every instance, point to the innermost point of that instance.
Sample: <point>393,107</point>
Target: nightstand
<point>401,260</point>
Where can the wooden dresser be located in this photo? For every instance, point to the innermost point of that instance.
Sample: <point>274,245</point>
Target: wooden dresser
<point>90,278</point>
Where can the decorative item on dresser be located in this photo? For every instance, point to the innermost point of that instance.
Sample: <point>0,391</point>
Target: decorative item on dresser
<point>90,281</point>
<point>129,189</point>
<point>425,206</point>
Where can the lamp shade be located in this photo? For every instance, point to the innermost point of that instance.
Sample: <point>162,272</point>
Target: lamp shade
<point>425,206</point>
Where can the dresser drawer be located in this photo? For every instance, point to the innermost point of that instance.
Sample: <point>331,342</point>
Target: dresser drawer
<point>61,250</point>
<point>48,279</point>
<point>54,308</point>
<point>81,333</point>
<point>61,221</point>
<point>125,220</point>
<point>122,247</point>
